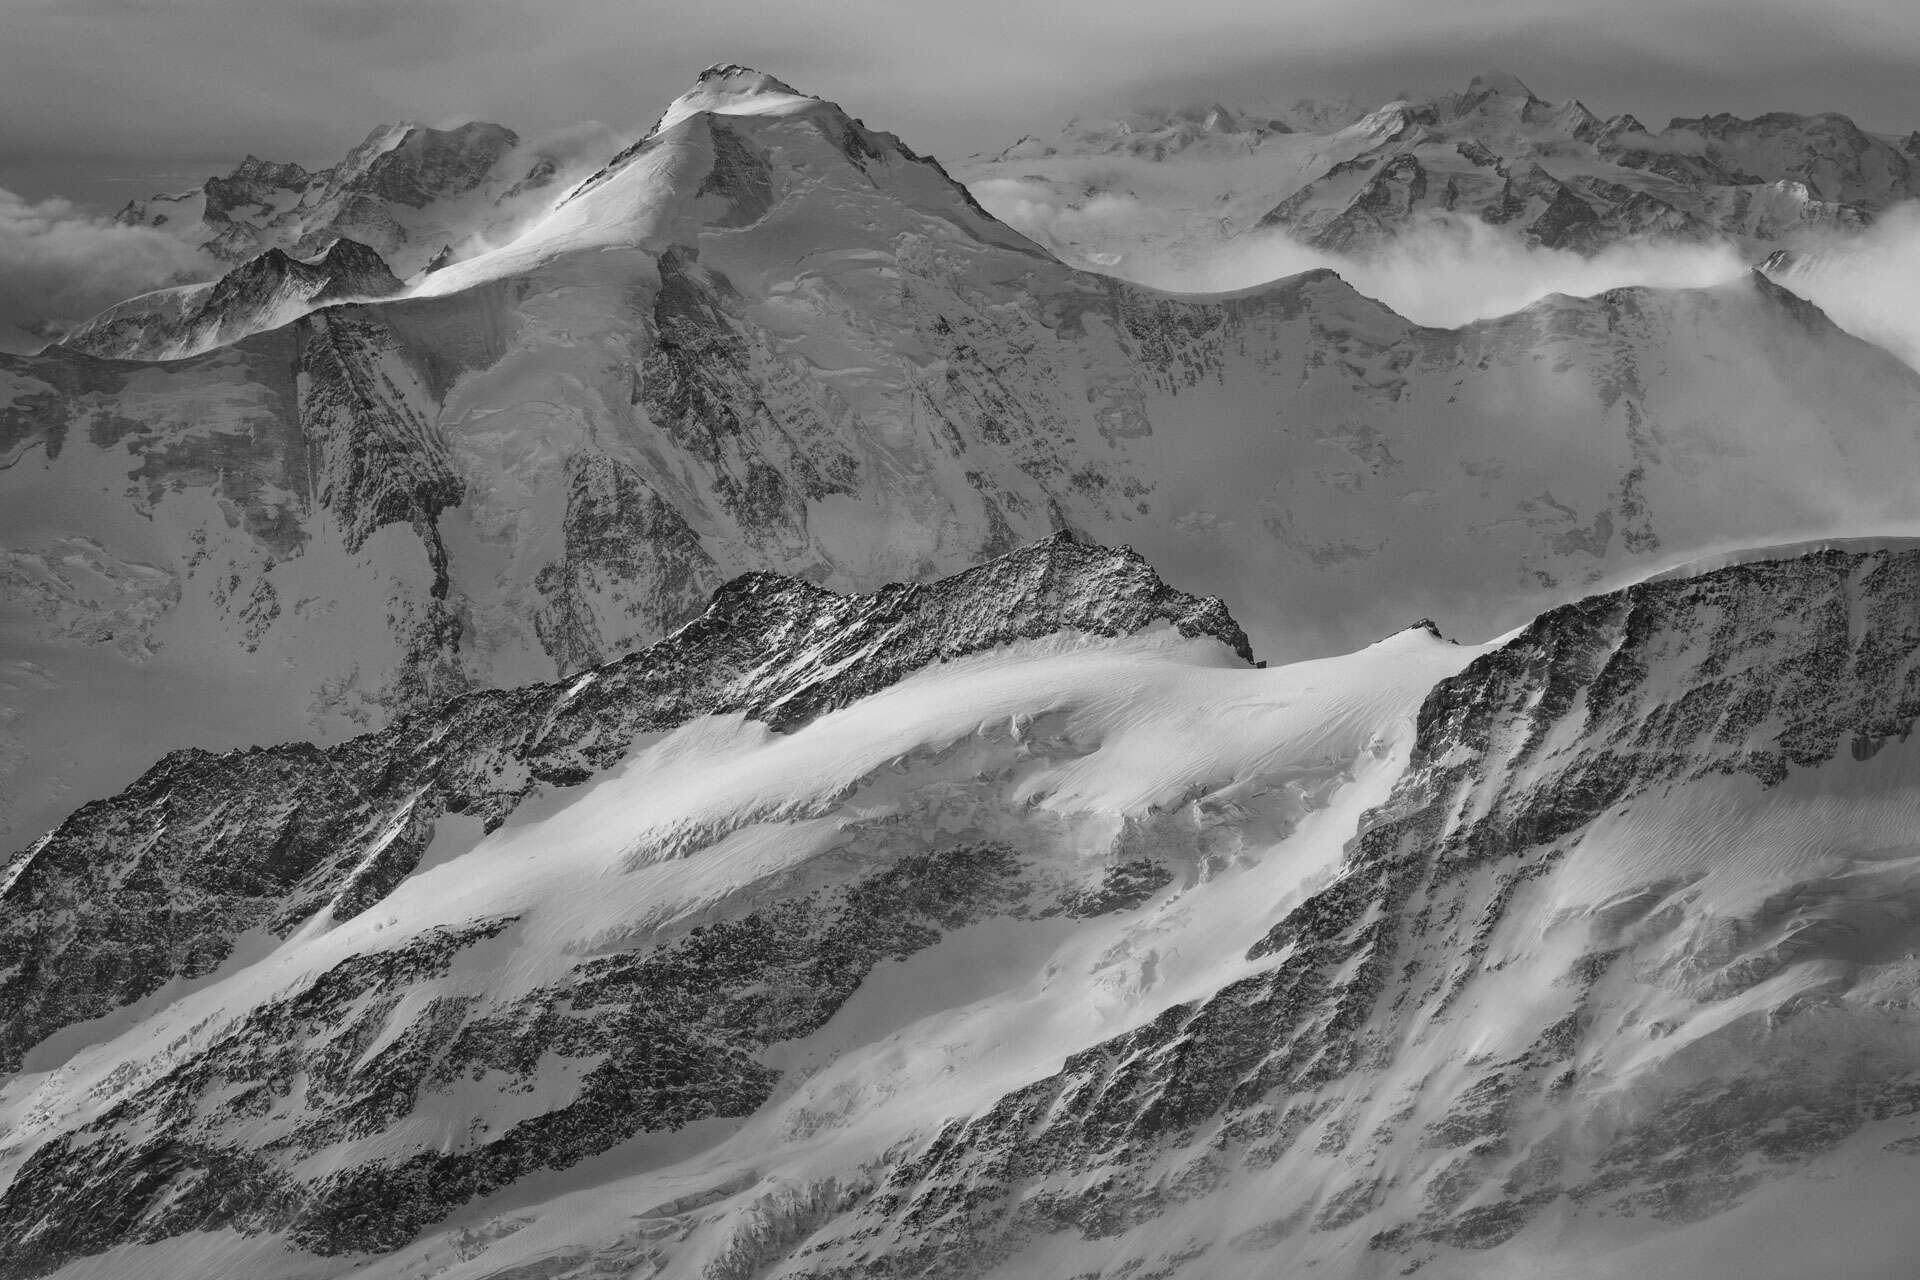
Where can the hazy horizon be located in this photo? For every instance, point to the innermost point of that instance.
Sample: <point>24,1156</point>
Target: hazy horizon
<point>100,93</point>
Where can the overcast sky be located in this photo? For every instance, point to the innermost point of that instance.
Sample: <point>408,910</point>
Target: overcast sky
<point>159,89</point>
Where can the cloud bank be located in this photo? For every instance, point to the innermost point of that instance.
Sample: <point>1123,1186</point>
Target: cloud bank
<point>1443,271</point>
<point>1448,271</point>
<point>60,264</point>
<point>1869,284</point>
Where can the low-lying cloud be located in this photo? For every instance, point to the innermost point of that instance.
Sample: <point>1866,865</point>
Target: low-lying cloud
<point>1443,270</point>
<point>60,264</point>
<point>1869,284</point>
<point>1448,271</point>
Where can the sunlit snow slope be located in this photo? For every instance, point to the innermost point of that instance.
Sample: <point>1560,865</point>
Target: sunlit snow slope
<point>1015,925</point>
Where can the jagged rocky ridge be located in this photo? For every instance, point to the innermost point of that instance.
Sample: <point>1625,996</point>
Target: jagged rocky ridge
<point>399,202</point>
<point>1337,1083</point>
<point>156,884</point>
<point>263,293</point>
<point>268,836</point>
<point>392,192</point>
<point>1551,174</point>
<point>1524,995</point>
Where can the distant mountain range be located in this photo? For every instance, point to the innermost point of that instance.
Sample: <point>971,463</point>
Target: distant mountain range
<point>1345,180</point>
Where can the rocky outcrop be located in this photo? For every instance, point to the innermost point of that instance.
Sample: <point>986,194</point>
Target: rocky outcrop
<point>1394,192</point>
<point>423,164</point>
<point>1828,152</point>
<point>394,192</point>
<point>662,1038</point>
<point>1642,1054</point>
<point>155,885</point>
<point>251,188</point>
<point>264,293</point>
<point>1552,174</point>
<point>205,847</point>
<point>1755,670</point>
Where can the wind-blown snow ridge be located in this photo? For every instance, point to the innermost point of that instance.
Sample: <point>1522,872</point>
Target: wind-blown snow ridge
<point>1096,956</point>
<point>730,89</point>
<point>1853,545</point>
<point>348,823</point>
<point>266,292</point>
<point>1096,747</point>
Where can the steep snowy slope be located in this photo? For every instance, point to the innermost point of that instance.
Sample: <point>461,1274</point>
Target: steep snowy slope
<point>1015,926</point>
<point>283,877</point>
<point>1153,198</point>
<point>767,337</point>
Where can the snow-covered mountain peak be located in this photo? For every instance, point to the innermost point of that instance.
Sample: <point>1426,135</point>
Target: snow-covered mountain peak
<point>380,139</point>
<point>742,152</point>
<point>1551,174</point>
<point>737,78</point>
<point>1217,118</point>
<point>1390,123</point>
<point>730,89</point>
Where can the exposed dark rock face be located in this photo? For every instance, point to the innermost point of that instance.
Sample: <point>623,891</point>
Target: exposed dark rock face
<point>156,883</point>
<point>1561,178</point>
<point>262,293</point>
<point>428,164</point>
<point>43,416</point>
<point>1389,198</point>
<point>252,183</point>
<point>377,458</point>
<point>220,844</point>
<point>670,1033</point>
<point>1322,1060</point>
<point>1584,214</point>
<point>373,195</point>
<point>696,385</point>
<point>620,536</point>
<point>1755,670</point>
<point>740,176</point>
<point>1830,153</point>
